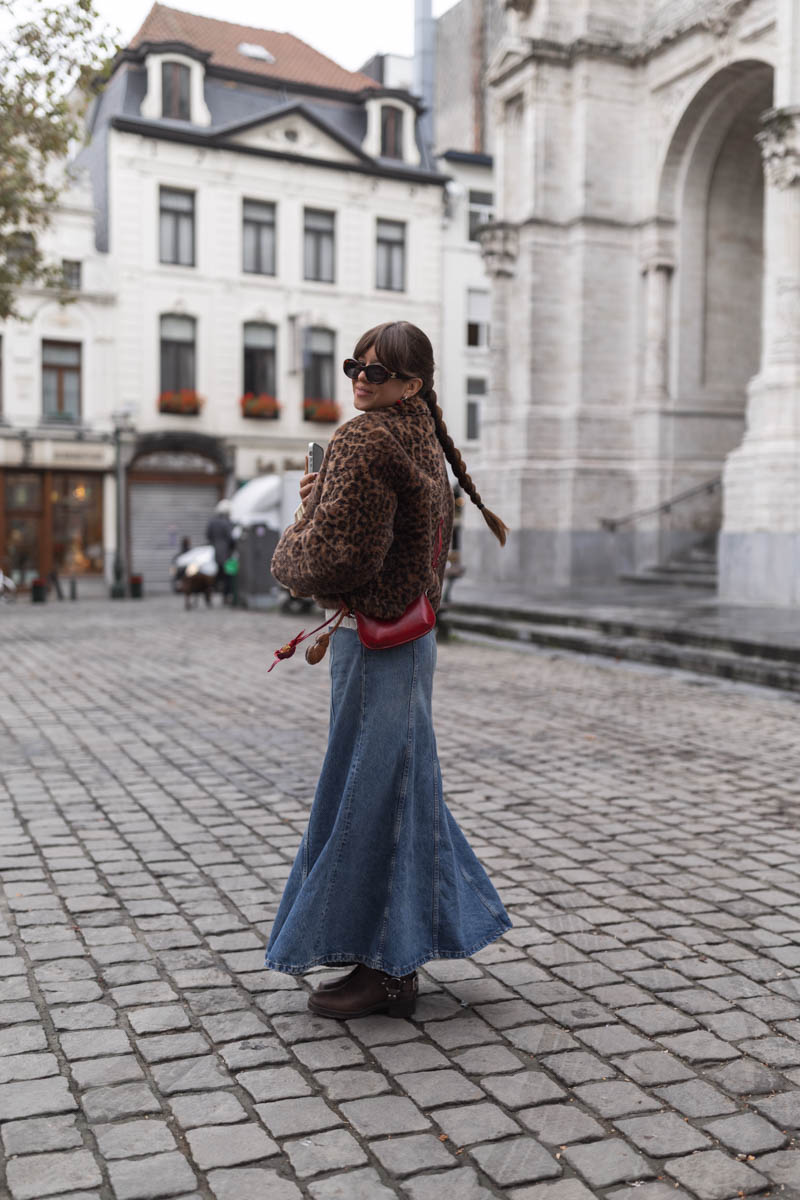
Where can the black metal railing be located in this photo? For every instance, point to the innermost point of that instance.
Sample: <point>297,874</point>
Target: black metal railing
<point>666,506</point>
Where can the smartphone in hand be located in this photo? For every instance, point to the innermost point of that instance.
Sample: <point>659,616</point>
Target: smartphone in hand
<point>316,453</point>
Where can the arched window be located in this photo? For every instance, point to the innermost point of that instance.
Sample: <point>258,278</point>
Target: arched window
<point>259,359</point>
<point>175,97</point>
<point>177,353</point>
<point>391,131</point>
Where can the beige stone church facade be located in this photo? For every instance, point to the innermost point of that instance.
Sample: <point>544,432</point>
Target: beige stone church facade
<point>645,266</point>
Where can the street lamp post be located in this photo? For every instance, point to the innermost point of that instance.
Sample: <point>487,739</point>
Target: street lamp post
<point>122,424</point>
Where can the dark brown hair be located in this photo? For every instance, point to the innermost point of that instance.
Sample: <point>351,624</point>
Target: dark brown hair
<point>404,348</point>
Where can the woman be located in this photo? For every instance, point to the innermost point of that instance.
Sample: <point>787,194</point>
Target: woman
<point>384,879</point>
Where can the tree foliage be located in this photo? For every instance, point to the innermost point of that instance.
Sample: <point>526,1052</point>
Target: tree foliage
<point>52,56</point>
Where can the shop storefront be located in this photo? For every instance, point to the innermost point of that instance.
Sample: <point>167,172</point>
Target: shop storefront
<point>50,521</point>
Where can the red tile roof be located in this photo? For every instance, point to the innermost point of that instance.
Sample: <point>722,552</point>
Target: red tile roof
<point>295,61</point>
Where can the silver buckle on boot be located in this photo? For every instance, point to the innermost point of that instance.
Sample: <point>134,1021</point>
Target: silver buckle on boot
<point>393,985</point>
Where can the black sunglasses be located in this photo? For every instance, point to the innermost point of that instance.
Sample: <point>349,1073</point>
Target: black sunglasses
<point>374,372</point>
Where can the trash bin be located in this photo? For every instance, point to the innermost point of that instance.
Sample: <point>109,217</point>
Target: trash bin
<point>137,585</point>
<point>256,587</point>
<point>39,591</point>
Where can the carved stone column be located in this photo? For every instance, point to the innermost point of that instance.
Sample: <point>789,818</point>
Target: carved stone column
<point>760,539</point>
<point>658,279</point>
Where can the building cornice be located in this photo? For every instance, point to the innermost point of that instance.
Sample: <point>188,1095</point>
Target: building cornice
<point>211,141</point>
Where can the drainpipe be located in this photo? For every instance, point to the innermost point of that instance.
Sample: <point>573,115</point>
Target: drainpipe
<point>425,65</point>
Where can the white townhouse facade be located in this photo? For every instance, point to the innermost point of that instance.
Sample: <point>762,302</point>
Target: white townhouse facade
<point>256,208</point>
<point>57,370</point>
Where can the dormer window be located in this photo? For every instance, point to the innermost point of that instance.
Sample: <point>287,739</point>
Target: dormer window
<point>175,86</point>
<point>391,131</point>
<point>175,91</point>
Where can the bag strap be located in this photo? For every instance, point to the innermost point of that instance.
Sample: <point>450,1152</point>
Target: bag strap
<point>288,650</point>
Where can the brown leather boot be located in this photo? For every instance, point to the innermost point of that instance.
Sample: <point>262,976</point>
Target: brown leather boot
<point>366,992</point>
<point>339,981</point>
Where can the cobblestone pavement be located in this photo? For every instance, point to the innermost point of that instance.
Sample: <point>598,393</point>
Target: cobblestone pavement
<point>636,1035</point>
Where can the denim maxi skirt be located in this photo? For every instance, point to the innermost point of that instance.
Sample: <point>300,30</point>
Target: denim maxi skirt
<point>383,876</point>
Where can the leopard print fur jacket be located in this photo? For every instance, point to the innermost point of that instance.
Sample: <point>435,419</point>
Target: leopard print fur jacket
<point>368,536</point>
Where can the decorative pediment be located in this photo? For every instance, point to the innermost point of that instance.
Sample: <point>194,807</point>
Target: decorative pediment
<point>510,54</point>
<point>293,132</point>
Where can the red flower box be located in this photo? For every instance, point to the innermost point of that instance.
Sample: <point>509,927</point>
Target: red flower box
<point>184,403</point>
<point>321,410</point>
<point>262,406</point>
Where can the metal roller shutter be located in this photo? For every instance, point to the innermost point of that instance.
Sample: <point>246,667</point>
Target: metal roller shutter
<point>160,515</point>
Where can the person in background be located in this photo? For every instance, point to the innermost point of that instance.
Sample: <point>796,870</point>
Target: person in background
<point>219,534</point>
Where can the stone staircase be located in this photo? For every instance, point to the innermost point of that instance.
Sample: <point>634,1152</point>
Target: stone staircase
<point>696,568</point>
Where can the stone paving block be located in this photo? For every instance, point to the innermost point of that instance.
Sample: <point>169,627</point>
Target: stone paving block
<point>125,1100</point>
<point>381,1115</point>
<point>158,1020</point>
<point>607,1162</point>
<point>15,1067</point>
<point>542,1039</point>
<point>318,1152</point>
<point>190,1075</point>
<point>522,1089</point>
<point>84,1016</point>
<point>649,1067</point>
<point>216,1000</point>
<point>606,1040</point>
<point>206,1108</point>
<point>576,1066</point>
<point>328,1054</point>
<point>352,1085</point>
<point>486,1060</point>
<point>649,1191</point>
<point>97,1072</point>
<point>304,1026</point>
<point>461,1184</point>
<point>38,1175</point>
<point>16,1011</point>
<point>24,1039</point>
<point>773,1051</point>
<point>364,1184</point>
<point>714,1175</point>
<point>564,1189</point>
<point>696,1098</point>
<point>509,1013</point>
<point>35,1097</point>
<point>273,1084</point>
<point>408,1155</point>
<point>171,1045</point>
<point>746,1077</point>
<point>428,1088</point>
<point>151,1178</point>
<point>662,1134</point>
<point>700,1047</point>
<point>461,1031</point>
<point>465,1124</point>
<point>615,1098</point>
<point>253,1052</point>
<point>734,1025</point>
<point>229,1145</point>
<point>558,1124</point>
<point>252,1183</point>
<point>782,1167</point>
<point>301,1114</point>
<point>39,1134</point>
<point>656,1018</point>
<point>133,1138</point>
<point>746,1133</point>
<point>231,1026</point>
<point>783,1109</point>
<point>520,1160</point>
<point>95,1043</point>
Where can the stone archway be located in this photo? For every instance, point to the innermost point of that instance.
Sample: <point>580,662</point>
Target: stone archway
<point>711,198</point>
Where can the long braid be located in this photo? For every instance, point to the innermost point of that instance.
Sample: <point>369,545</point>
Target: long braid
<point>453,456</point>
